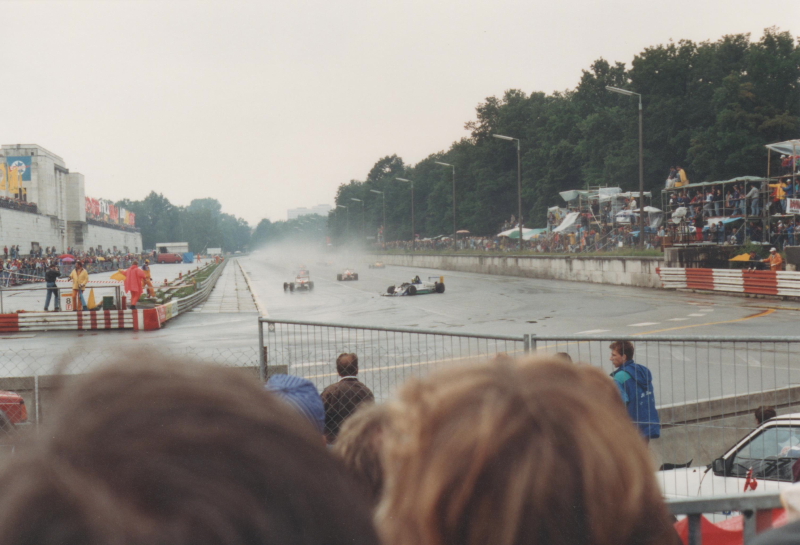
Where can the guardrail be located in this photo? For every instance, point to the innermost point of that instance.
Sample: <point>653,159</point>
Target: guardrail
<point>756,509</point>
<point>783,283</point>
<point>204,288</point>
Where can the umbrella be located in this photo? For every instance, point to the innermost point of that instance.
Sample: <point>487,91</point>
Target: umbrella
<point>462,232</point>
<point>62,256</point>
<point>67,259</point>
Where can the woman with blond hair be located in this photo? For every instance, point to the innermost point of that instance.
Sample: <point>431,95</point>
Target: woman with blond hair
<point>508,453</point>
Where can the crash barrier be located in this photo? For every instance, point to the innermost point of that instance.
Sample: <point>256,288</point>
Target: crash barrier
<point>782,283</point>
<point>137,320</point>
<point>759,512</point>
<point>706,388</point>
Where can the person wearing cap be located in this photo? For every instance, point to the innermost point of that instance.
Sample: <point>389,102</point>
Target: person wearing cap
<point>302,395</point>
<point>775,260</point>
<point>342,398</point>
<point>79,278</point>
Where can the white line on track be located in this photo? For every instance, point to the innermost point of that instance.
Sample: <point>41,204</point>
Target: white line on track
<point>643,324</point>
<point>677,319</point>
<point>696,314</point>
<point>592,331</point>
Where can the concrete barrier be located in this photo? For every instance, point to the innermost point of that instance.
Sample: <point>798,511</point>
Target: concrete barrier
<point>620,271</point>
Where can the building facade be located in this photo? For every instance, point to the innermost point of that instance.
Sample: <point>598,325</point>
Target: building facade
<point>319,210</point>
<point>42,204</point>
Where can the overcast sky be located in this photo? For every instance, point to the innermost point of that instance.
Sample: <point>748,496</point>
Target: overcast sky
<point>271,105</point>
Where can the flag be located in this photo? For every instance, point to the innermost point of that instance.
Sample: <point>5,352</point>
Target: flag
<point>21,165</point>
<point>3,176</point>
<point>13,181</point>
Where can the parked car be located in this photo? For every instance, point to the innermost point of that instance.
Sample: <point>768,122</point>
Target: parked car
<point>169,258</point>
<point>762,461</point>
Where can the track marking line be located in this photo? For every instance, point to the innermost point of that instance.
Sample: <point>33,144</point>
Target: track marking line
<point>643,324</point>
<point>758,315</point>
<point>696,314</point>
<point>677,319</point>
<point>592,331</point>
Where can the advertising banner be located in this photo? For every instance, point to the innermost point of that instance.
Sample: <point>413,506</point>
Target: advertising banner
<point>22,165</point>
<point>793,206</point>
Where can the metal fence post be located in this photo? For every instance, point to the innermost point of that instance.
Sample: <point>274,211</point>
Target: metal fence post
<point>262,360</point>
<point>36,398</point>
<point>531,343</point>
<point>526,340</point>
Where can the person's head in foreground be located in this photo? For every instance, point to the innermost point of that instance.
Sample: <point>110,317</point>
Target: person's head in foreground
<point>359,446</point>
<point>507,453</point>
<point>177,453</point>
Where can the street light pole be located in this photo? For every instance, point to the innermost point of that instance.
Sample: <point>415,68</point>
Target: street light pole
<point>454,199</point>
<point>383,197</point>
<point>363,221</point>
<point>347,228</point>
<point>413,229</point>
<point>641,160</point>
<point>519,183</point>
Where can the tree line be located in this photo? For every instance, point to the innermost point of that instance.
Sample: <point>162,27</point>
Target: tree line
<point>709,107</point>
<point>202,224</point>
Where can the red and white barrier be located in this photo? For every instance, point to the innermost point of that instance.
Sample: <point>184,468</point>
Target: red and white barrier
<point>137,320</point>
<point>785,283</point>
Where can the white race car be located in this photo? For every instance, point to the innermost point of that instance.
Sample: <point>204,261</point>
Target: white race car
<point>348,274</point>
<point>302,281</point>
<point>435,284</point>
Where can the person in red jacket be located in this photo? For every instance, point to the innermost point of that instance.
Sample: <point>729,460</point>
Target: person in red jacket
<point>134,281</point>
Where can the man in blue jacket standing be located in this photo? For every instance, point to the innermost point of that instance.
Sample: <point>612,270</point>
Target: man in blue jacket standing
<point>635,383</point>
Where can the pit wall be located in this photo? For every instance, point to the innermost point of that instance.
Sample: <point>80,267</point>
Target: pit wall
<point>620,271</point>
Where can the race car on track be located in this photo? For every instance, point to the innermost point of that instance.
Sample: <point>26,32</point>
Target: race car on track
<point>377,265</point>
<point>348,274</point>
<point>301,282</point>
<point>435,284</point>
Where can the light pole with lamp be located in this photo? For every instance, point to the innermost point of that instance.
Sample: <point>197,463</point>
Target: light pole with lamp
<point>641,160</point>
<point>363,221</point>
<point>383,197</point>
<point>347,228</point>
<point>454,198</point>
<point>413,230</point>
<point>519,184</point>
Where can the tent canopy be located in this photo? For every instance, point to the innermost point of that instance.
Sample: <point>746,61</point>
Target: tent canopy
<point>741,179</point>
<point>527,234</point>
<point>568,224</point>
<point>790,147</point>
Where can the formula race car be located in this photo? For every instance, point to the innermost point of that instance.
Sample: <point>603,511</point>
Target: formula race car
<point>377,265</point>
<point>348,274</point>
<point>435,284</point>
<point>301,282</point>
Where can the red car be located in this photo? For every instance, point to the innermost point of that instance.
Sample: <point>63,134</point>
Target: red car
<point>13,407</point>
<point>169,258</point>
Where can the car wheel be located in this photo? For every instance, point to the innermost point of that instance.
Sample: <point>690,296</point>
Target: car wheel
<point>390,290</point>
<point>285,286</point>
<point>439,287</point>
<point>412,290</point>
<point>310,286</point>
<point>355,277</point>
<point>339,277</point>
<point>291,287</point>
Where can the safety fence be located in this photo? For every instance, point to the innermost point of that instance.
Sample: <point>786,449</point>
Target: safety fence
<point>706,388</point>
<point>754,513</point>
<point>786,283</point>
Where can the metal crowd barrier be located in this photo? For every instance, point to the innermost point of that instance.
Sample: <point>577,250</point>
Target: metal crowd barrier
<point>755,508</point>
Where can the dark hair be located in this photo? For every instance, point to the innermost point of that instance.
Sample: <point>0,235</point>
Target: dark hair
<point>347,365</point>
<point>359,446</point>
<point>179,453</point>
<point>623,347</point>
<point>764,413</point>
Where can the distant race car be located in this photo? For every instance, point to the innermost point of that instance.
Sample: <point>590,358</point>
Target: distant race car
<point>301,282</point>
<point>377,265</point>
<point>435,284</point>
<point>348,274</point>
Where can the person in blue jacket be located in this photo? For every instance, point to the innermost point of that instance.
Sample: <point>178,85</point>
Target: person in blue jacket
<point>635,383</point>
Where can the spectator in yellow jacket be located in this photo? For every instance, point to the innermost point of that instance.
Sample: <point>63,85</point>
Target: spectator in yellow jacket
<point>683,179</point>
<point>79,278</point>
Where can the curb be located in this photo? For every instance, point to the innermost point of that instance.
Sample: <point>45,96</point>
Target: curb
<point>261,310</point>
